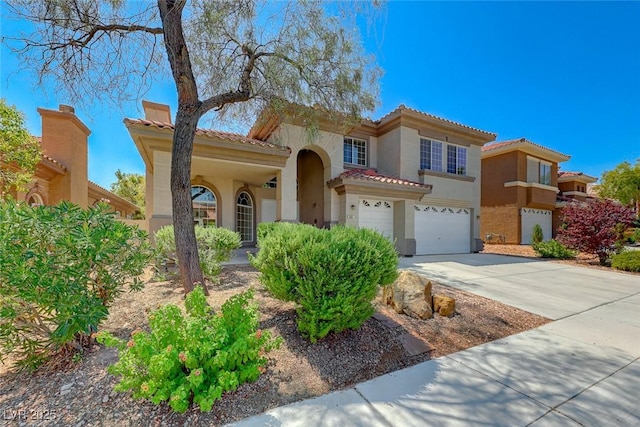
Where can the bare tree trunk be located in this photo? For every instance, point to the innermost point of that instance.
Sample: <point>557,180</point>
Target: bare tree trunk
<point>183,226</point>
<point>189,112</point>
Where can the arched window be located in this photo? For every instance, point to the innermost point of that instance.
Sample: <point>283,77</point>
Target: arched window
<point>35,200</point>
<point>244,216</point>
<point>205,208</point>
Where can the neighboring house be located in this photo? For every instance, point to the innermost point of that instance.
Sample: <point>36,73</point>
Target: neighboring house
<point>520,185</point>
<point>573,187</point>
<point>62,172</point>
<point>413,176</point>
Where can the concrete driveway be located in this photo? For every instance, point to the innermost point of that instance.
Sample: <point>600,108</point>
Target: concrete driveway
<point>550,289</point>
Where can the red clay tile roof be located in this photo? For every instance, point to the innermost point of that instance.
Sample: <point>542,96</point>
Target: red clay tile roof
<point>211,133</point>
<point>570,173</point>
<point>372,176</point>
<point>402,107</point>
<point>112,195</point>
<point>500,144</point>
<point>54,161</point>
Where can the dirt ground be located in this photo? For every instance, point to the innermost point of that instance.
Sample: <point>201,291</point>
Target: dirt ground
<point>581,260</point>
<point>82,394</point>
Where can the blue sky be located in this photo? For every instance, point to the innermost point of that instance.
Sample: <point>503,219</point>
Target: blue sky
<point>565,75</point>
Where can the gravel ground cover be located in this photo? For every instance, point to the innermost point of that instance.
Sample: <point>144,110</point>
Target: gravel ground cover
<point>82,394</point>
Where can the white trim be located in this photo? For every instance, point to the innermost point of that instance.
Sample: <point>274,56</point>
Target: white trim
<point>574,193</point>
<point>530,184</point>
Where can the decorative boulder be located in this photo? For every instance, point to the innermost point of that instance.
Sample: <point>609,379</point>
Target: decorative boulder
<point>409,294</point>
<point>444,305</point>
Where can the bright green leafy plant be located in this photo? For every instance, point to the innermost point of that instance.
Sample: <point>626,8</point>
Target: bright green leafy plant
<point>553,249</point>
<point>333,275</point>
<point>61,267</point>
<point>215,246</point>
<point>627,261</point>
<point>194,357</point>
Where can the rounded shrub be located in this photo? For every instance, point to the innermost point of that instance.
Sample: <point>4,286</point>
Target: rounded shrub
<point>627,261</point>
<point>277,259</point>
<point>333,275</point>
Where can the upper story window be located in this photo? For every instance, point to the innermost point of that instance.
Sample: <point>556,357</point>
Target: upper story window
<point>538,171</point>
<point>355,151</point>
<point>456,160</point>
<point>430,155</point>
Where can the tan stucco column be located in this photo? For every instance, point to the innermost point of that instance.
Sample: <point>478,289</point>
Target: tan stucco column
<point>286,194</point>
<point>404,227</point>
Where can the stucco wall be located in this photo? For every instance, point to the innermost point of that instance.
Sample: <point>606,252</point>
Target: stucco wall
<point>389,152</point>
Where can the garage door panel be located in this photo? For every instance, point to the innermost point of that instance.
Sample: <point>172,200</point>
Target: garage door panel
<point>529,218</point>
<point>377,215</point>
<point>442,230</point>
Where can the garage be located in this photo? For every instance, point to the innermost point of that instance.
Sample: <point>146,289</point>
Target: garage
<point>529,218</point>
<point>377,215</point>
<point>442,230</point>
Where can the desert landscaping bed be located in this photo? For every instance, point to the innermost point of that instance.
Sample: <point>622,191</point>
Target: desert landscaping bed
<point>581,260</point>
<point>82,394</point>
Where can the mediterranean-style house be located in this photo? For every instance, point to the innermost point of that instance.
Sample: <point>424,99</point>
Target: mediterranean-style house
<point>521,187</point>
<point>412,176</point>
<point>62,173</point>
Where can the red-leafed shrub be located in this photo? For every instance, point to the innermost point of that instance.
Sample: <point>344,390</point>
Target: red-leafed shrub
<point>595,227</point>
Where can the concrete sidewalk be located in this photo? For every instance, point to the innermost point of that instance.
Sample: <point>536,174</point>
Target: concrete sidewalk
<point>580,370</point>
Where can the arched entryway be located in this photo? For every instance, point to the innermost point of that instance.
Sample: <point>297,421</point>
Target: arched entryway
<point>311,188</point>
<point>245,219</point>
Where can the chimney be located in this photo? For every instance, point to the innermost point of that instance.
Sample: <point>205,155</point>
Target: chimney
<point>156,112</point>
<point>66,108</point>
<point>65,139</point>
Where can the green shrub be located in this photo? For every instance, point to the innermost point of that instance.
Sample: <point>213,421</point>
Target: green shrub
<point>338,279</point>
<point>537,236</point>
<point>194,357</point>
<point>627,261</point>
<point>215,246</point>
<point>61,267</point>
<point>279,245</point>
<point>553,249</point>
<point>333,275</point>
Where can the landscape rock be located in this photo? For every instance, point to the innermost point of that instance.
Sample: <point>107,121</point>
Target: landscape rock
<point>410,294</point>
<point>444,305</point>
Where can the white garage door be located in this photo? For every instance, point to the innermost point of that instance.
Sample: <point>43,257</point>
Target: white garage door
<point>531,217</point>
<point>442,230</point>
<point>378,215</point>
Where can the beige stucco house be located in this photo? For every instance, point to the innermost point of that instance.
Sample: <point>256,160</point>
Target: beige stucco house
<point>413,176</point>
<point>62,173</point>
